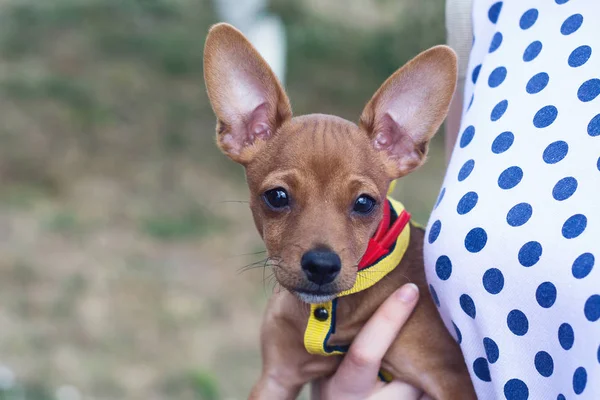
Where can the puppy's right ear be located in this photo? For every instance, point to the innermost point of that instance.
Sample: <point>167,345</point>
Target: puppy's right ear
<point>247,98</point>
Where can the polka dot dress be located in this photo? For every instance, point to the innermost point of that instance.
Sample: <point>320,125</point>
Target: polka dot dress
<point>512,249</point>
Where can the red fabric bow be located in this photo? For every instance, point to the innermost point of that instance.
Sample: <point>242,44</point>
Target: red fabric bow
<point>385,236</point>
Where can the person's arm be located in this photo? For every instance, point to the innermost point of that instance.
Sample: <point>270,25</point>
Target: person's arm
<point>459,31</point>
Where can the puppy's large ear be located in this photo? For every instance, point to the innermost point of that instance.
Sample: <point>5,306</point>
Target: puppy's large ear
<point>247,98</point>
<point>409,108</point>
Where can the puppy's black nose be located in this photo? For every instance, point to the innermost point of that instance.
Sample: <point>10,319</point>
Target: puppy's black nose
<point>321,266</point>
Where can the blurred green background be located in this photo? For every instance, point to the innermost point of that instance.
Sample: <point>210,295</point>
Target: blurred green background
<point>121,239</point>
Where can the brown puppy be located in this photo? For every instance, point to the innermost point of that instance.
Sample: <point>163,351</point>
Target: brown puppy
<point>318,184</point>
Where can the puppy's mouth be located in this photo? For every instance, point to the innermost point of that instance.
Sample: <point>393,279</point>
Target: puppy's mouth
<point>314,296</point>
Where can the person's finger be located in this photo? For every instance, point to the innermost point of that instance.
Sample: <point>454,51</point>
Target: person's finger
<point>358,371</point>
<point>397,390</point>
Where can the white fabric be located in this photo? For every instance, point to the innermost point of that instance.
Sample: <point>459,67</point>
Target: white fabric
<point>459,31</point>
<point>512,249</point>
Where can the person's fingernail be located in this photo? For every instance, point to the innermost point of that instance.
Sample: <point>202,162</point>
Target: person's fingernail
<point>408,293</point>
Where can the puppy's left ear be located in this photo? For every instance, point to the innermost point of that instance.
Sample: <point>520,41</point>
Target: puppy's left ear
<point>408,109</point>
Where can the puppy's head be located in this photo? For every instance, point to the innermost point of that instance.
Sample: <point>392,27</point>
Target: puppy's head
<point>317,182</point>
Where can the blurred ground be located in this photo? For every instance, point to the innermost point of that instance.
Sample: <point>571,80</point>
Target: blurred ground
<point>120,246</point>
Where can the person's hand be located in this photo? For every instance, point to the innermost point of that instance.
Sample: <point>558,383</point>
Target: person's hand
<point>356,377</point>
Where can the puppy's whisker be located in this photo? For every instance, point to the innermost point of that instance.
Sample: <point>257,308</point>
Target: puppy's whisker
<point>252,265</point>
<point>233,201</point>
<point>273,262</point>
<point>248,268</point>
<point>264,270</point>
<point>257,264</point>
<point>248,254</point>
<point>268,280</point>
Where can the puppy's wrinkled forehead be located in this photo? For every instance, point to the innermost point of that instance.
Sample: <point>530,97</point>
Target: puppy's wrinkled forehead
<point>323,148</point>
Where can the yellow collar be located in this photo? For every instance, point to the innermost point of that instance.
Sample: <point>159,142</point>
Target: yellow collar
<point>321,321</point>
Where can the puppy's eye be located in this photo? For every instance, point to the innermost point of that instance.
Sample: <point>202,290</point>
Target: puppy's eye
<point>364,204</point>
<point>276,198</point>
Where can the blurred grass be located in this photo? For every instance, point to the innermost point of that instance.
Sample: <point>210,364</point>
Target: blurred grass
<point>29,390</point>
<point>118,255</point>
<point>345,65</point>
<point>199,384</point>
<point>191,224</point>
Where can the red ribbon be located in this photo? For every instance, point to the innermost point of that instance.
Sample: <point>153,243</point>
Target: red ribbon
<point>385,236</point>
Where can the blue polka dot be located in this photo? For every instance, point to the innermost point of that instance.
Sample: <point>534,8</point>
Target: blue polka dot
<point>458,334</point>
<point>467,305</point>
<point>496,42</point>
<point>467,136</point>
<point>561,1</point>
<point>519,214</point>
<point>579,56</point>
<point>589,90</point>
<point>564,188</point>
<point>434,231</point>
<point>579,380</point>
<point>574,226</point>
<point>560,396</point>
<point>443,267</point>
<point>546,294</point>
<point>598,164</point>
<point>466,203</point>
<point>593,128</point>
<point>440,197</point>
<point>434,295</point>
<point>517,322</point>
<point>528,18</point>
<point>555,152</point>
<point>499,110</point>
<point>510,177</point>
<point>491,350</point>
<point>475,73</point>
<point>466,170</point>
<point>493,280</point>
<point>471,102</point>
<point>566,336</point>
<point>598,355</point>
<point>475,240</point>
<point>537,83</point>
<point>592,308</point>
<point>544,364</point>
<point>583,265</point>
<point>502,142</point>
<point>545,116</point>
<point>571,24</point>
<point>532,51</point>
<point>516,389</point>
<point>494,12</point>
<point>530,254</point>
<point>482,369</point>
<point>497,77</point>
